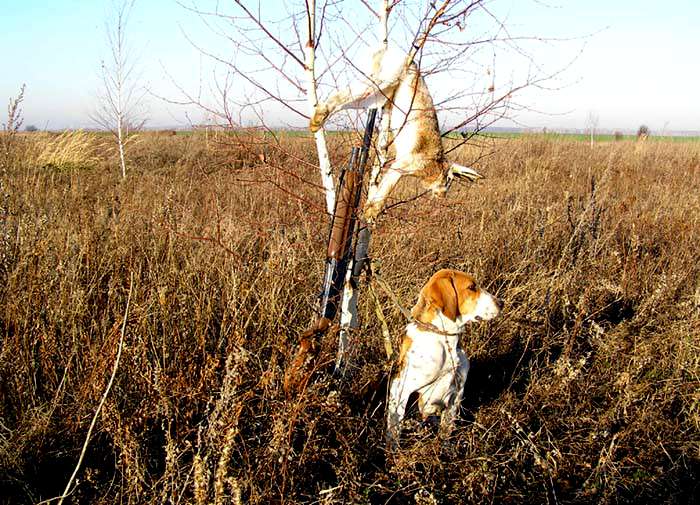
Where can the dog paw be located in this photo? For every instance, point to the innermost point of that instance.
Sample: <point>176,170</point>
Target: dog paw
<point>318,117</point>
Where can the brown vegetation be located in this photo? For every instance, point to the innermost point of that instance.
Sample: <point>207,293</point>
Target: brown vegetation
<point>584,391</point>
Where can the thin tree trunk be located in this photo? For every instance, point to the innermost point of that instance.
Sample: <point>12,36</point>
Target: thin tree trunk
<point>348,315</point>
<point>116,112</point>
<point>324,162</point>
<point>120,141</point>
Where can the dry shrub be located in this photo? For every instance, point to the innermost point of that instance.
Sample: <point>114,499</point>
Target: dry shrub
<point>585,390</point>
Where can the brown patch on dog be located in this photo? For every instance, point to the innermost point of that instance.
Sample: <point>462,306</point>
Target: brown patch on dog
<point>405,346</point>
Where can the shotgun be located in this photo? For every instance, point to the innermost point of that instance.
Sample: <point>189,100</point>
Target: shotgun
<point>338,254</point>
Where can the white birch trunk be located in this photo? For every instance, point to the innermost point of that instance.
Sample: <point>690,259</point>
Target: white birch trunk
<point>348,321</point>
<point>120,141</point>
<point>324,161</point>
<point>348,315</point>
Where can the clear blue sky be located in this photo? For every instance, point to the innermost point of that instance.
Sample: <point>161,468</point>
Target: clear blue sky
<point>638,66</point>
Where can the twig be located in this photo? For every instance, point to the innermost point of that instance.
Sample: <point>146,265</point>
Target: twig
<point>102,401</point>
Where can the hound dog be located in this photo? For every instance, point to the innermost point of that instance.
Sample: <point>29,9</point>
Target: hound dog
<point>395,83</point>
<point>431,361</point>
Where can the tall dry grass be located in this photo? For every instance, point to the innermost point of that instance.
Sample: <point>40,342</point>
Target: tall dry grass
<point>584,391</point>
<point>69,150</point>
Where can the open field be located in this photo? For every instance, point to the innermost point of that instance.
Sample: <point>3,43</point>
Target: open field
<point>552,135</point>
<point>611,138</point>
<point>586,390</point>
<point>597,138</point>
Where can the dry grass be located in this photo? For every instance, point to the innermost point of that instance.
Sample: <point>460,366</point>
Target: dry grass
<point>585,391</point>
<point>72,149</point>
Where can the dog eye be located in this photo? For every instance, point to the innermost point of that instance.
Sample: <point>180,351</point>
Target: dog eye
<point>473,288</point>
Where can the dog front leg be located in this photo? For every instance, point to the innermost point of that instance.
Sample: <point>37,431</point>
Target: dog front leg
<point>450,414</point>
<point>399,391</point>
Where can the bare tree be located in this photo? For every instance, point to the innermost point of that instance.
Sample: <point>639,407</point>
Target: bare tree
<point>312,38</point>
<point>284,59</point>
<point>592,121</point>
<point>121,99</point>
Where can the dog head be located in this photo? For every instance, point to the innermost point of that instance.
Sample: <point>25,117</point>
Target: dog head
<point>457,296</point>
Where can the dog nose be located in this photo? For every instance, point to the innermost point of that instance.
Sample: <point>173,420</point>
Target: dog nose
<point>499,303</point>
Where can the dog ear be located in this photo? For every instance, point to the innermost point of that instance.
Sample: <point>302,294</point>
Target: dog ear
<point>440,293</point>
<point>465,291</point>
<point>443,296</point>
<point>450,299</point>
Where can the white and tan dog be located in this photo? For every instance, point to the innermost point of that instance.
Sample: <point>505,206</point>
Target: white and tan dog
<point>395,83</point>
<point>431,361</point>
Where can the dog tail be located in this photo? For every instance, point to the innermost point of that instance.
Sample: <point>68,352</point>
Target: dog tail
<point>463,172</point>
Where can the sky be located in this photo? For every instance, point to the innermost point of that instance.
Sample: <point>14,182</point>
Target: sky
<point>626,63</point>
